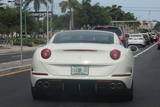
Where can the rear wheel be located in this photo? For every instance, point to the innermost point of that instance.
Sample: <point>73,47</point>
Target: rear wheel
<point>36,94</point>
<point>129,96</point>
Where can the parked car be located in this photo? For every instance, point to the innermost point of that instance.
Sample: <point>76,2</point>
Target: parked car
<point>154,37</point>
<point>137,39</point>
<point>83,61</point>
<point>147,38</point>
<point>116,30</point>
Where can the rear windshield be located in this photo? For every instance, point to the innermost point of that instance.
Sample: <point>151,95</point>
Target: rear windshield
<point>134,36</point>
<point>145,35</point>
<point>84,37</point>
<point>110,29</point>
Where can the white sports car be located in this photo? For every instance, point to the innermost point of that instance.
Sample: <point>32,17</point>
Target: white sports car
<point>83,61</point>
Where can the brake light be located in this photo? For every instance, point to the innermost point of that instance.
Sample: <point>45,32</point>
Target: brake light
<point>141,38</point>
<point>45,53</point>
<point>105,27</point>
<point>129,38</point>
<point>121,38</point>
<point>115,54</point>
<point>104,80</point>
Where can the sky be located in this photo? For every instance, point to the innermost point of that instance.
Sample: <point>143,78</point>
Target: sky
<point>142,9</point>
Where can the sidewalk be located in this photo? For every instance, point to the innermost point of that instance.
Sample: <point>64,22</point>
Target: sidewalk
<point>18,49</point>
<point>15,64</point>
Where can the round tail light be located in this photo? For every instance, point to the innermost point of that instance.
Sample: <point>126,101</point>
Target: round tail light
<point>46,53</point>
<point>121,38</point>
<point>115,54</point>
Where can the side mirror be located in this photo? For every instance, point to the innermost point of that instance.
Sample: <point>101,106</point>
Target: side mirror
<point>133,48</point>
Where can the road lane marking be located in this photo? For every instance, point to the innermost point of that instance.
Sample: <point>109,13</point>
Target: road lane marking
<point>14,67</point>
<point>135,56</point>
<point>11,73</point>
<point>29,59</point>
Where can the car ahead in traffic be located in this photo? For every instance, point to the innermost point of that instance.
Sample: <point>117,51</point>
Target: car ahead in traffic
<point>147,38</point>
<point>153,37</point>
<point>137,39</point>
<point>82,61</point>
<point>114,29</point>
<point>158,44</point>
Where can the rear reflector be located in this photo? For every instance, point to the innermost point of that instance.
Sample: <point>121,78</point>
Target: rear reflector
<point>120,75</point>
<point>55,80</point>
<point>104,80</point>
<point>39,74</point>
<point>81,50</point>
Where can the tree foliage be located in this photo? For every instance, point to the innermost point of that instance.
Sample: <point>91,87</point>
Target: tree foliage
<point>10,22</point>
<point>92,15</point>
<point>157,26</point>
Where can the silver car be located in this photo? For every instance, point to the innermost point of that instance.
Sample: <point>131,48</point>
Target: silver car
<point>137,39</point>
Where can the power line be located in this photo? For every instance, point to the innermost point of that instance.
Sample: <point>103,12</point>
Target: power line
<point>142,7</point>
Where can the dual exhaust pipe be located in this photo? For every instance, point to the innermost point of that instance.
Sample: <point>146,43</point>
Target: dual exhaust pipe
<point>115,86</point>
<point>41,84</point>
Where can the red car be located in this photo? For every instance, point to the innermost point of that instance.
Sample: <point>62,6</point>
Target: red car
<point>158,43</point>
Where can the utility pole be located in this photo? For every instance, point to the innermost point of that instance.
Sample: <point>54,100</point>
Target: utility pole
<point>47,23</point>
<point>25,23</point>
<point>149,20</point>
<point>52,2</point>
<point>21,32</point>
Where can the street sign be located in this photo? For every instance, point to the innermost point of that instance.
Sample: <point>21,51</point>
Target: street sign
<point>40,14</point>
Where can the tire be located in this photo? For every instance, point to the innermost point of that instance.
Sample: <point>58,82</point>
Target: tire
<point>36,95</point>
<point>129,96</point>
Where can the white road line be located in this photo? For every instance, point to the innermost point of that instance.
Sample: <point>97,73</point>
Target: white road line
<point>144,50</point>
<point>30,59</point>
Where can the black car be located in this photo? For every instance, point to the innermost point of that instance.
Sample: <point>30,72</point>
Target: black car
<point>114,29</point>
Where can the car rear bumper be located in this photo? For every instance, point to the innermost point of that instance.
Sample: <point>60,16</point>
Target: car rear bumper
<point>59,86</point>
<point>136,43</point>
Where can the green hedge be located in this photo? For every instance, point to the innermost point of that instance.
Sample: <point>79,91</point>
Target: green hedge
<point>27,41</point>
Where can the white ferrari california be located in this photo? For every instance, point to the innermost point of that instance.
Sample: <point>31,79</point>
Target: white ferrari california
<point>83,61</point>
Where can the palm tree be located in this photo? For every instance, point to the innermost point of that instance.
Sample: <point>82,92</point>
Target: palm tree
<point>37,4</point>
<point>70,5</point>
<point>1,4</point>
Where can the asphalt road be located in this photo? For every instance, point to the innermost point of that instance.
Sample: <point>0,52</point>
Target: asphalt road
<point>15,89</point>
<point>7,57</point>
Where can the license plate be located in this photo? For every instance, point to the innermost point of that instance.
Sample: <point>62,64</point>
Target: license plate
<point>79,70</point>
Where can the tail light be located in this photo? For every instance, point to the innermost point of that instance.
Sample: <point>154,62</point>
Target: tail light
<point>159,42</point>
<point>129,38</point>
<point>45,53</point>
<point>141,38</point>
<point>121,38</point>
<point>115,54</point>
